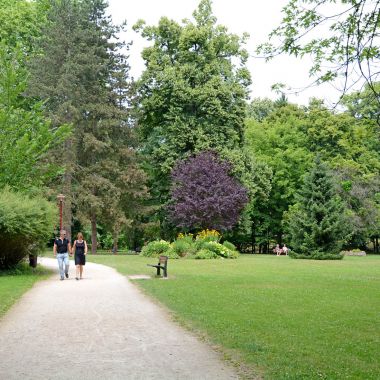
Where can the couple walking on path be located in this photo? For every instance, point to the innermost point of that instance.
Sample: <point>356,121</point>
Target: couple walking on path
<point>62,249</point>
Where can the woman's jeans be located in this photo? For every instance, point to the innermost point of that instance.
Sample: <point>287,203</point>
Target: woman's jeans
<point>63,258</point>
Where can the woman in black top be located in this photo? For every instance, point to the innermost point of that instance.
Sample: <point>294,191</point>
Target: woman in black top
<point>80,250</point>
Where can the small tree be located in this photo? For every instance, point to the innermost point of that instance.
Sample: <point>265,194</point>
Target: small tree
<point>204,194</point>
<point>316,221</point>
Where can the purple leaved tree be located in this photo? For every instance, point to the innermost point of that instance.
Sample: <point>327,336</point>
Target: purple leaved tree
<point>204,194</point>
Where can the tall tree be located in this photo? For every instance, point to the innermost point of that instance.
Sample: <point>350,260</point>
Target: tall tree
<point>316,222</point>
<point>192,93</point>
<point>280,142</point>
<point>83,76</point>
<point>364,104</point>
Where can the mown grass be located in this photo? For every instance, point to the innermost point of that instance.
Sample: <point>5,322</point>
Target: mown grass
<point>288,319</point>
<point>14,283</point>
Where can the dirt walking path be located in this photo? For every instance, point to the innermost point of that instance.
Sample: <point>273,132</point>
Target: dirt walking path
<point>101,327</point>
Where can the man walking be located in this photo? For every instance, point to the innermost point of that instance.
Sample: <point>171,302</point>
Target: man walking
<point>62,249</point>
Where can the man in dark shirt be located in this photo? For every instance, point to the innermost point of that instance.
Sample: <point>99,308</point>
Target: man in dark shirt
<point>62,249</point>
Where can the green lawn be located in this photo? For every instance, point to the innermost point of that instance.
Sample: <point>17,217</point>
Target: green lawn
<point>13,284</point>
<point>290,319</point>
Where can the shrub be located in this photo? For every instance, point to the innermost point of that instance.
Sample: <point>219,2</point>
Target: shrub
<point>106,241</point>
<point>171,254</point>
<point>186,237</point>
<point>157,248</point>
<point>199,244</point>
<point>183,247</point>
<point>316,256</point>
<point>220,250</point>
<point>25,226</point>
<point>229,245</point>
<point>206,254</point>
<point>208,235</point>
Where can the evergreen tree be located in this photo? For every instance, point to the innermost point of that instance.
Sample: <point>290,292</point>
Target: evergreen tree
<point>84,78</point>
<point>316,221</point>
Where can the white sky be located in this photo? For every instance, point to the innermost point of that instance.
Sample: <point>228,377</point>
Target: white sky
<point>256,17</point>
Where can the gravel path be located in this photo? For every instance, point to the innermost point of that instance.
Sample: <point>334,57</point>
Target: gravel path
<point>101,327</point>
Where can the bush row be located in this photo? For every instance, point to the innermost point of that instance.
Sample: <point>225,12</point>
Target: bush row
<point>202,246</point>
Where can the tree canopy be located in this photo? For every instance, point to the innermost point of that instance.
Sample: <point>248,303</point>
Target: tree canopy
<point>204,195</point>
<point>191,94</point>
<point>184,147</point>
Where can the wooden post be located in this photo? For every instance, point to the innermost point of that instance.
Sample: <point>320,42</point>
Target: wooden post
<point>60,198</point>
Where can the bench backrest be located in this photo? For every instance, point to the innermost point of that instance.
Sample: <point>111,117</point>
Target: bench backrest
<point>163,260</point>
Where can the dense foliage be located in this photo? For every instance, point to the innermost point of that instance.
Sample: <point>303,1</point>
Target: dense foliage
<point>82,75</point>
<point>288,139</point>
<point>134,159</point>
<point>205,195</point>
<point>203,245</point>
<point>26,136</point>
<point>25,226</point>
<point>157,248</point>
<point>192,95</point>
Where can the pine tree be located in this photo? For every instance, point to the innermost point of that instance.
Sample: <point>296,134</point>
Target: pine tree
<point>316,221</point>
<point>84,78</point>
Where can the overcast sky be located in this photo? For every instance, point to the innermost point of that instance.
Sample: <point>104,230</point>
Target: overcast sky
<point>256,17</point>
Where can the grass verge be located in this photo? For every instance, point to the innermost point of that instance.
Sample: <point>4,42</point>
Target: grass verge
<point>292,319</point>
<point>14,283</point>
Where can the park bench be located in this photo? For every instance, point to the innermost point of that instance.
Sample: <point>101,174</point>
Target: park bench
<point>162,264</point>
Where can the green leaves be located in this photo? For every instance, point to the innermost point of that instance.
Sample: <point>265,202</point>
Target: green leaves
<point>316,224</point>
<point>191,95</point>
<point>340,39</point>
<point>26,135</point>
<point>25,225</point>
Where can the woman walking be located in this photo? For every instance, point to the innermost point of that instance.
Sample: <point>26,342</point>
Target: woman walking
<point>80,250</point>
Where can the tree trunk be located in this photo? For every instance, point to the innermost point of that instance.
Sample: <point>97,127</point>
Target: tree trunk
<point>115,243</point>
<point>253,238</point>
<point>33,261</point>
<point>67,189</point>
<point>94,240</point>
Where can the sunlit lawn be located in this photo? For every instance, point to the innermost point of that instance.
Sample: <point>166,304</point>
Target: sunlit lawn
<point>14,283</point>
<point>290,319</point>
